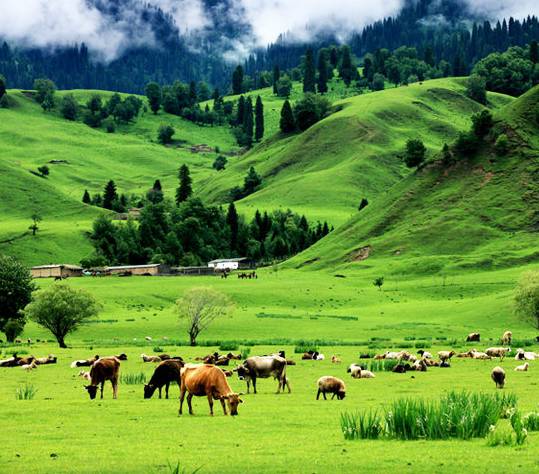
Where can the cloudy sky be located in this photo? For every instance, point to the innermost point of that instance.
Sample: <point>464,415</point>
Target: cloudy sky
<point>61,22</point>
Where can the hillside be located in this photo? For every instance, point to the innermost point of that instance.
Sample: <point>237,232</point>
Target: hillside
<point>479,213</point>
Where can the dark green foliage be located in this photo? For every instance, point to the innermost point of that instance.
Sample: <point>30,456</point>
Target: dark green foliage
<point>69,107</point>
<point>363,204</point>
<point>502,145</point>
<point>43,170</point>
<point>16,287</point>
<point>309,110</point>
<point>276,77</point>
<point>86,197</point>
<point>482,123</point>
<point>476,89</point>
<point>232,221</point>
<point>251,182</point>
<point>287,122</point>
<point>378,282</point>
<point>378,82</point>
<point>240,112</point>
<point>447,157</point>
<point>193,94</point>
<point>4,102</point>
<point>237,81</point>
<point>36,218</point>
<point>347,70</point>
<point>309,72</point>
<point>155,194</point>
<point>284,86</point>
<point>415,153</point>
<point>154,95</point>
<point>93,120</point>
<point>165,134</point>
<point>322,72</point>
<point>259,119</point>
<point>466,144</point>
<point>94,104</point>
<point>248,123</point>
<point>45,90</point>
<point>109,124</point>
<point>109,195</point>
<point>185,189</point>
<point>220,163</point>
<point>3,86</point>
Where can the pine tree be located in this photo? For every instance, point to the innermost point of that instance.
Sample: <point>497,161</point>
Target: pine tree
<point>248,122</point>
<point>287,123</point>
<point>233,225</point>
<point>534,53</point>
<point>259,119</point>
<point>322,72</point>
<point>346,70</point>
<point>240,114</point>
<point>193,95</point>
<point>86,197</point>
<point>334,57</point>
<point>155,195</point>
<point>309,74</point>
<point>154,95</point>
<point>109,195</point>
<point>237,81</point>
<point>276,77</point>
<point>185,189</point>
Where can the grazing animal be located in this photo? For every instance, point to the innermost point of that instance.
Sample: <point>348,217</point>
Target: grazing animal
<point>523,355</point>
<point>522,368</point>
<point>419,366</point>
<point>85,375</point>
<point>445,355</point>
<point>507,338</point>
<point>329,384</point>
<point>107,368</point>
<point>400,368</point>
<point>498,376</point>
<point>473,337</point>
<point>290,362</point>
<point>210,381</point>
<point>84,362</point>
<point>147,358</point>
<point>263,367</point>
<point>121,356</point>
<point>379,357</point>
<point>320,357</point>
<point>50,359</point>
<point>355,371</point>
<point>222,361</point>
<point>310,355</point>
<point>238,356</point>
<point>167,372</point>
<point>335,359</point>
<point>31,366</point>
<point>500,352</point>
<point>431,363</point>
<point>468,354</point>
<point>364,356</point>
<point>424,354</point>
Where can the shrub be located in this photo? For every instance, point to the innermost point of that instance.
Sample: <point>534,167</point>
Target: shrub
<point>69,107</point>
<point>133,379</point>
<point>228,346</point>
<point>25,392</point>
<point>476,89</point>
<point>43,170</point>
<point>311,109</point>
<point>165,133</point>
<point>382,365</point>
<point>109,125</point>
<point>531,421</point>
<point>466,144</point>
<point>415,153</point>
<point>245,351</point>
<point>301,348</point>
<point>220,163</point>
<point>482,123</point>
<point>158,349</point>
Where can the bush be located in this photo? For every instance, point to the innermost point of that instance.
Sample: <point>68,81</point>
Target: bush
<point>415,153</point>
<point>229,346</point>
<point>482,123</point>
<point>25,392</point>
<point>283,86</point>
<point>531,421</point>
<point>476,89</point>
<point>43,170</point>
<point>245,351</point>
<point>305,347</point>
<point>69,107</point>
<point>309,110</point>
<point>220,163</point>
<point>466,144</point>
<point>165,133</point>
<point>109,125</point>
<point>378,82</point>
<point>382,365</point>
<point>158,349</point>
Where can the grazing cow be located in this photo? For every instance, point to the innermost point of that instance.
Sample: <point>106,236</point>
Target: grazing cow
<point>507,338</point>
<point>498,376</point>
<point>84,362</point>
<point>50,359</point>
<point>473,337</point>
<point>107,368</point>
<point>210,381</point>
<point>523,355</point>
<point>166,372</point>
<point>332,385</point>
<point>445,355</point>
<point>263,367</point>
<point>522,368</point>
<point>500,352</point>
<point>147,358</point>
<point>335,359</point>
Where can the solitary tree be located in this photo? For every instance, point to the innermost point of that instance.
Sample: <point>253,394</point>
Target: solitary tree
<point>346,69</point>
<point>378,282</point>
<point>36,219</point>
<point>220,163</point>
<point>154,95</point>
<point>237,81</point>
<point>309,73</point>
<point>287,122</point>
<point>482,123</point>
<point>86,199</point>
<point>259,119</point>
<point>527,297</point>
<point>43,170</point>
<point>62,309</point>
<point>199,307</point>
<point>165,134</point>
<point>155,194</point>
<point>476,88</point>
<point>415,153</point>
<point>185,189</point>
<point>16,288</point>
<point>252,181</point>
<point>109,195</point>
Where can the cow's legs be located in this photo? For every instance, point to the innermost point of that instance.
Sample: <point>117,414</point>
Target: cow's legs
<point>318,394</point>
<point>287,384</point>
<point>210,403</point>
<point>324,393</point>
<point>223,404</point>
<point>182,396</point>
<point>114,388</point>
<point>248,385</point>
<point>166,390</point>
<point>254,384</point>
<point>160,388</point>
<point>189,404</point>
<point>102,385</point>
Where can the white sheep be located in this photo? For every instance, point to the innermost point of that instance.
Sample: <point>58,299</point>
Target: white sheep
<point>522,368</point>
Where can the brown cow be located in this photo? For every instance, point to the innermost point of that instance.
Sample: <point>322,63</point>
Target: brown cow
<point>107,368</point>
<point>166,372</point>
<point>210,381</point>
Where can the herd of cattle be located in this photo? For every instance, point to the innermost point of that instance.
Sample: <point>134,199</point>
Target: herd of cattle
<point>206,378</point>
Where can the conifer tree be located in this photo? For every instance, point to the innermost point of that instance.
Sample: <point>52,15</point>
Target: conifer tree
<point>240,114</point>
<point>185,189</point>
<point>534,54</point>
<point>86,197</point>
<point>287,123</point>
<point>309,74</point>
<point>259,119</point>
<point>276,77</point>
<point>237,81</point>
<point>233,225</point>
<point>193,95</point>
<point>248,122</point>
<point>346,70</point>
<point>322,72</point>
<point>155,96</point>
<point>3,86</point>
<point>109,195</point>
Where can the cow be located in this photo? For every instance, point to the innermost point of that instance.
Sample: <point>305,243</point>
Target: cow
<point>473,337</point>
<point>107,368</point>
<point>210,381</point>
<point>166,372</point>
<point>11,362</point>
<point>263,367</point>
<point>50,359</point>
<point>84,362</point>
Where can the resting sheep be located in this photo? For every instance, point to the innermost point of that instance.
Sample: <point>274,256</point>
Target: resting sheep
<point>424,354</point>
<point>335,359</point>
<point>522,368</point>
<point>480,355</point>
<point>329,384</point>
<point>498,376</point>
<point>146,358</point>
<point>31,366</point>
<point>367,374</point>
<point>523,355</point>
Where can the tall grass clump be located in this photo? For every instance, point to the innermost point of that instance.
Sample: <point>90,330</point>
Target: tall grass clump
<point>25,392</point>
<point>531,421</point>
<point>362,425</point>
<point>245,351</point>
<point>158,349</point>
<point>301,348</point>
<point>229,346</point>
<point>133,379</point>
<point>382,365</point>
<point>178,469</point>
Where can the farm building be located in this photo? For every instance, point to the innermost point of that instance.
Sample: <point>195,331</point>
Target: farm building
<point>57,270</point>
<point>151,269</point>
<point>192,271</point>
<point>231,263</point>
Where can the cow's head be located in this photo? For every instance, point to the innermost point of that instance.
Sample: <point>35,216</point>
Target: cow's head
<point>92,390</point>
<point>233,400</point>
<point>149,389</point>
<point>243,372</point>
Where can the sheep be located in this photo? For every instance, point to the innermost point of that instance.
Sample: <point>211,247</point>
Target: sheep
<point>500,352</point>
<point>473,337</point>
<point>522,355</point>
<point>468,354</point>
<point>146,358</point>
<point>148,338</point>
<point>329,384</point>
<point>355,371</point>
<point>367,374</point>
<point>419,366</point>
<point>335,359</point>
<point>424,354</point>
<point>522,368</point>
<point>29,367</point>
<point>507,338</point>
<point>445,355</point>
<point>320,357</point>
<point>85,375</point>
<point>498,376</point>
<point>480,355</point>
